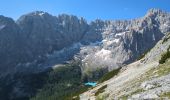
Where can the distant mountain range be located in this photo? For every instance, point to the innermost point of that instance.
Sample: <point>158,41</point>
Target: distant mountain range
<point>39,41</point>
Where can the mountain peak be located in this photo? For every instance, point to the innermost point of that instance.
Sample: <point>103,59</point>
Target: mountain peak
<point>39,13</point>
<point>34,14</point>
<point>155,11</point>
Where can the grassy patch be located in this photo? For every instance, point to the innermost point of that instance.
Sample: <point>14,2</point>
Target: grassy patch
<point>143,55</point>
<point>161,70</point>
<point>100,90</point>
<point>109,75</point>
<point>125,97</point>
<point>102,97</point>
<point>137,91</point>
<point>166,38</point>
<point>167,94</point>
<point>164,69</point>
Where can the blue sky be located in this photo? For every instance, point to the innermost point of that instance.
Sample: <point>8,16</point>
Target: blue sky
<point>89,9</point>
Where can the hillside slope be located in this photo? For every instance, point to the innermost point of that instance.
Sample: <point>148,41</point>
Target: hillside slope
<point>143,79</point>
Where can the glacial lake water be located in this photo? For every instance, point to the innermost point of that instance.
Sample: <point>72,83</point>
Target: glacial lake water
<point>91,84</point>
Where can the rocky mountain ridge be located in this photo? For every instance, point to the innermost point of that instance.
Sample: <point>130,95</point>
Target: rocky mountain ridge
<point>39,34</point>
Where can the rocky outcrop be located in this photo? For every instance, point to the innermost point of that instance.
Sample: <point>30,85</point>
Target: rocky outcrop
<point>154,88</point>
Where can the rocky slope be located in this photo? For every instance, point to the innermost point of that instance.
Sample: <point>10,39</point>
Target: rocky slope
<point>143,79</point>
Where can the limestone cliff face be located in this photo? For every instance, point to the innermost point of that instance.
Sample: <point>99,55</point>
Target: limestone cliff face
<point>122,42</point>
<point>41,39</point>
<point>45,33</point>
<point>10,43</point>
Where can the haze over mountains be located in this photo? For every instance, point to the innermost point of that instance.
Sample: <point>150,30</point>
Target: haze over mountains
<point>38,34</point>
<point>39,41</point>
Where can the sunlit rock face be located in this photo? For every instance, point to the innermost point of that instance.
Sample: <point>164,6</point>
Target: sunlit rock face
<point>39,40</point>
<point>122,42</point>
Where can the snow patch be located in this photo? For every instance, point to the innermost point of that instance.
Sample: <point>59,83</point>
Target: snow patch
<point>99,29</point>
<point>120,34</point>
<point>27,64</point>
<point>166,25</point>
<point>64,23</point>
<point>116,40</point>
<point>2,26</point>
<point>104,40</point>
<point>109,42</point>
<point>95,43</point>
<point>42,13</point>
<point>73,46</point>
<point>104,54</point>
<point>153,37</point>
<point>136,46</point>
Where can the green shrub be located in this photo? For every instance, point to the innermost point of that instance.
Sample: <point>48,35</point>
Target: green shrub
<point>165,56</point>
<point>143,55</point>
<point>100,90</point>
<point>166,38</point>
<point>109,75</point>
<point>165,95</point>
<point>102,97</point>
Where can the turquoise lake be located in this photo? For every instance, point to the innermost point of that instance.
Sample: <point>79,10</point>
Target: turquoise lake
<point>91,84</point>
